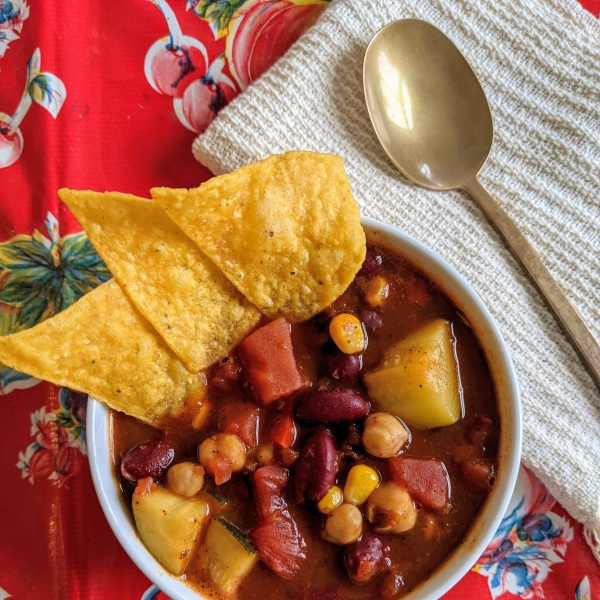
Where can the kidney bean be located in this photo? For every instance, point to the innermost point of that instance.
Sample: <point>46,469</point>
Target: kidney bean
<point>344,367</point>
<point>332,406</point>
<point>316,467</point>
<point>371,319</point>
<point>365,558</point>
<point>147,460</point>
<point>371,264</point>
<point>478,475</point>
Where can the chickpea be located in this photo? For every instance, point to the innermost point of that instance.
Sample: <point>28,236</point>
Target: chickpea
<point>390,509</point>
<point>265,453</point>
<point>384,435</point>
<point>343,525</point>
<point>223,445</point>
<point>185,478</point>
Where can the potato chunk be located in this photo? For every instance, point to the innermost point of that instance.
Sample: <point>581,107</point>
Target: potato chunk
<point>169,525</point>
<point>418,379</point>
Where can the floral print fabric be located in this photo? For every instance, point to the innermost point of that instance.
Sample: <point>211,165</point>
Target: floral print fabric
<point>125,88</point>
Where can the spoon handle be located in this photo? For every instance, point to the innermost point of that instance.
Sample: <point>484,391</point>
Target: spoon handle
<point>567,316</point>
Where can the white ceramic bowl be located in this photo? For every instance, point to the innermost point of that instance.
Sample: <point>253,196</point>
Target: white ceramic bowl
<point>481,532</point>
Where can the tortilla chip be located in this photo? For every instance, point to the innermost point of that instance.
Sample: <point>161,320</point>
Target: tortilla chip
<point>285,231</point>
<point>103,346</point>
<point>192,305</point>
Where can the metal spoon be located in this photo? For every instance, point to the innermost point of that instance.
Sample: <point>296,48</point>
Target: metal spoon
<point>433,120</point>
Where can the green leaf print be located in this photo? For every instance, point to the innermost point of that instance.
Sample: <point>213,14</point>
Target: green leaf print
<point>218,13</point>
<point>39,277</point>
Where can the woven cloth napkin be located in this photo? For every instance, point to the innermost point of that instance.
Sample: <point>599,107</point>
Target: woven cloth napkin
<point>539,64</point>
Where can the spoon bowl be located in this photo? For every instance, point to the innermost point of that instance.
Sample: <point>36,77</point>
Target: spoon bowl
<point>426,104</point>
<point>433,120</point>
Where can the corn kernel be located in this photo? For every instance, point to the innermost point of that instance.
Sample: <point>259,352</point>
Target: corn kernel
<point>361,482</point>
<point>331,500</point>
<point>378,291</point>
<point>202,415</point>
<point>347,333</point>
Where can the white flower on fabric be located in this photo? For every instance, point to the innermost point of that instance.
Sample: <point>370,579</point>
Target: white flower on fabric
<point>12,15</point>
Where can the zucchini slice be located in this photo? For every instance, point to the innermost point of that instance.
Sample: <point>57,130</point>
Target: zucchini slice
<point>227,554</point>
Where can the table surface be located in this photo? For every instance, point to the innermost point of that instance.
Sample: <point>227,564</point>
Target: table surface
<point>93,98</point>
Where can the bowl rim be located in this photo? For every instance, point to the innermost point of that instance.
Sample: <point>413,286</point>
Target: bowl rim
<point>464,556</point>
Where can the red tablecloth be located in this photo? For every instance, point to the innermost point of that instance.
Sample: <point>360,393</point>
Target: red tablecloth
<point>92,95</point>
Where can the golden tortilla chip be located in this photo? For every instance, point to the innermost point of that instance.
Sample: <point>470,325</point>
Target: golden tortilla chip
<point>285,230</point>
<point>192,305</point>
<point>103,346</point>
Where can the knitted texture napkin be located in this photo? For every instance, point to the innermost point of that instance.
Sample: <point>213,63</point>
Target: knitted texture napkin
<point>539,64</point>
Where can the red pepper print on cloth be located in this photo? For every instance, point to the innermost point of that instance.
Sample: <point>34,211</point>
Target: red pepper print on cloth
<point>59,447</point>
<point>255,32</point>
<point>177,65</point>
<point>140,85</point>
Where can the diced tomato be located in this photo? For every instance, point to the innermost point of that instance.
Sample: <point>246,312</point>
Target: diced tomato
<point>281,429</point>
<point>269,482</point>
<point>276,537</point>
<point>425,480</point>
<point>240,418</point>
<point>418,293</point>
<point>477,475</point>
<point>280,545</point>
<point>269,363</point>
<point>145,486</point>
<point>221,469</point>
<point>479,432</point>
